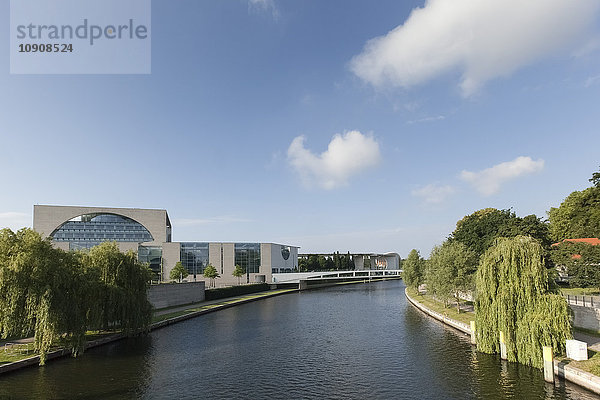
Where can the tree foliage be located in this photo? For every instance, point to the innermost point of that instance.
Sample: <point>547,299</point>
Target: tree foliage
<point>413,269</point>
<point>211,273</point>
<point>581,261</point>
<point>238,272</point>
<point>513,297</point>
<point>178,272</point>
<point>479,230</point>
<point>51,294</point>
<point>450,271</point>
<point>121,288</point>
<point>43,292</point>
<point>578,216</point>
<point>333,262</point>
<point>595,179</point>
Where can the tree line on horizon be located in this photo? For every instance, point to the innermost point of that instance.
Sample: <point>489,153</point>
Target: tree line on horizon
<point>318,262</point>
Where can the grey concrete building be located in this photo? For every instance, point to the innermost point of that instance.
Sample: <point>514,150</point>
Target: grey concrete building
<point>148,233</point>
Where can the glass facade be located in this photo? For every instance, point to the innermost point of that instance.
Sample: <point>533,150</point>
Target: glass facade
<point>97,228</point>
<point>247,256</point>
<point>151,255</point>
<point>194,257</point>
<point>82,245</point>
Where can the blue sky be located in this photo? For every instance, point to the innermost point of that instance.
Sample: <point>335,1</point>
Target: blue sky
<point>438,110</point>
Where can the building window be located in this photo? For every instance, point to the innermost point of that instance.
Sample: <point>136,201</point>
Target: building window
<point>247,256</point>
<point>194,257</point>
<point>92,229</point>
<point>151,255</point>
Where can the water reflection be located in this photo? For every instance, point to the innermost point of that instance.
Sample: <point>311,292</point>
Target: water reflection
<point>348,342</point>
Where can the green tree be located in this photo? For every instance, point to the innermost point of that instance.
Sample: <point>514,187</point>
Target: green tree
<point>578,216</point>
<point>120,292</point>
<point>580,261</point>
<point>302,264</point>
<point>513,297</point>
<point>178,272</point>
<point>43,292</point>
<point>595,179</point>
<point>479,230</point>
<point>211,273</point>
<point>413,269</point>
<point>349,264</point>
<point>238,272</point>
<point>450,271</point>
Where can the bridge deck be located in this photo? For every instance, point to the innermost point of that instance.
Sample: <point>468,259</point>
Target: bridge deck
<point>296,277</point>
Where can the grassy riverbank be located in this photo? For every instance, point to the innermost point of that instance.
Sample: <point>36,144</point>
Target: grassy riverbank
<point>580,291</point>
<point>20,349</point>
<point>592,365</point>
<point>451,312</point>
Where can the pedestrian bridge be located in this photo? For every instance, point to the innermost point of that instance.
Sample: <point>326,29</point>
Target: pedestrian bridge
<point>296,277</point>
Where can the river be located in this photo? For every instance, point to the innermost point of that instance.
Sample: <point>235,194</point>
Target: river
<point>362,341</point>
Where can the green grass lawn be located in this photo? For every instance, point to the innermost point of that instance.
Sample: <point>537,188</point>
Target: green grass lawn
<point>428,301</point>
<point>591,365</point>
<point>16,353</point>
<point>26,350</point>
<point>581,291</point>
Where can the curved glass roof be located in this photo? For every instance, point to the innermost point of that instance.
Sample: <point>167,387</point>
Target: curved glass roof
<point>101,228</point>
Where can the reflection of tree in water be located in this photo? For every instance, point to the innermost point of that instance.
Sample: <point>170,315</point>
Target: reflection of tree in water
<point>120,370</point>
<point>485,376</point>
<point>497,379</point>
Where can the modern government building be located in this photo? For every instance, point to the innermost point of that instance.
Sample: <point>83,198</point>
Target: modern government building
<point>148,233</point>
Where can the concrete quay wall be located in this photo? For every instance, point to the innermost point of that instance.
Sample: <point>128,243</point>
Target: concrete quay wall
<point>175,294</point>
<point>561,368</point>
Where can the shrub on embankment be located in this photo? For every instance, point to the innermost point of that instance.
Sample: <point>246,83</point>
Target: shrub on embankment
<point>220,293</point>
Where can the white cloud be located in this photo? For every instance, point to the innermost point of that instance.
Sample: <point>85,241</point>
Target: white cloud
<point>427,119</point>
<point>14,220</point>
<point>346,155</point>
<point>434,193</point>
<point>483,39</point>
<point>592,80</point>
<point>488,181</point>
<point>267,6</point>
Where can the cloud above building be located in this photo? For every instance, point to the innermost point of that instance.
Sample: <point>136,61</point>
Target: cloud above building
<point>347,155</point>
<point>434,193</point>
<point>489,180</point>
<point>482,40</point>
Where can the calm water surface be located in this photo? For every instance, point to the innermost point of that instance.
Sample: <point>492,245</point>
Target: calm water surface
<point>359,341</point>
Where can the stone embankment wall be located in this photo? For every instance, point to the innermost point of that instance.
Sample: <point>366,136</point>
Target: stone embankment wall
<point>175,294</point>
<point>586,317</point>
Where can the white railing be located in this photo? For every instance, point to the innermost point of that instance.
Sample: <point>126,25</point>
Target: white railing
<point>295,277</point>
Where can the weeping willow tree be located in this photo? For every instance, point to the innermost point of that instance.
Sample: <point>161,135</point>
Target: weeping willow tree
<point>56,296</point>
<point>512,296</point>
<point>119,290</point>
<point>43,292</point>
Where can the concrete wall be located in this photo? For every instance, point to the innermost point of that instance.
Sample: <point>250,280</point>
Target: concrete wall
<point>170,295</point>
<point>586,317</point>
<point>171,254</point>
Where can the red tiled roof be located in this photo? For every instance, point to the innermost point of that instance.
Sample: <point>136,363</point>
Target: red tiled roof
<point>592,241</point>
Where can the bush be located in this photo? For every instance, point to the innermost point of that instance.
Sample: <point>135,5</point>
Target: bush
<point>220,293</point>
